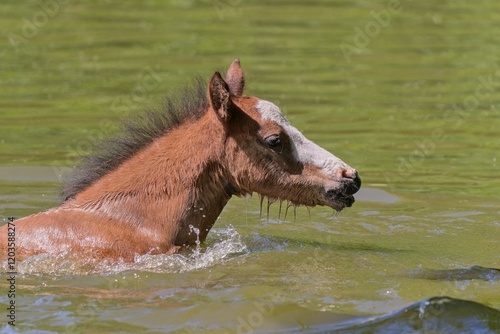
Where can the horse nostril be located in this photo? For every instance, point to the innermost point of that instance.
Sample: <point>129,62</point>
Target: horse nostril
<point>349,173</point>
<point>351,180</point>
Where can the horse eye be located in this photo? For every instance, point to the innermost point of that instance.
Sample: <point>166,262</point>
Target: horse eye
<point>274,142</point>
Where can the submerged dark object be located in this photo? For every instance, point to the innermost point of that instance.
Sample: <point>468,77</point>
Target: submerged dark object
<point>432,315</point>
<point>474,272</point>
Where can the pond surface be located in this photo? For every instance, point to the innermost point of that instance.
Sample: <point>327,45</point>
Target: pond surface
<point>409,95</point>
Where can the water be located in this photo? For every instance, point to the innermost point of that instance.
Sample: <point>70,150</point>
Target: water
<point>414,109</point>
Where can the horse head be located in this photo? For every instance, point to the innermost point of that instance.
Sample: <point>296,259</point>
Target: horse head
<point>264,153</point>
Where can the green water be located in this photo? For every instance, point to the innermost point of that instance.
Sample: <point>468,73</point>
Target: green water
<point>412,102</point>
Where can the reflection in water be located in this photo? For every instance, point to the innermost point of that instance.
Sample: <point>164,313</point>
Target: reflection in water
<point>375,195</point>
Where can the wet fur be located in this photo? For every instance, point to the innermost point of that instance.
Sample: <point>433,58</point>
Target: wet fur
<point>136,134</point>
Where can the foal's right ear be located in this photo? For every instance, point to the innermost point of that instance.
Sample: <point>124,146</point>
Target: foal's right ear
<point>220,96</point>
<point>235,78</point>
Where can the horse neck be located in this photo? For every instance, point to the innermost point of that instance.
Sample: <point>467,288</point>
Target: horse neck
<point>177,181</point>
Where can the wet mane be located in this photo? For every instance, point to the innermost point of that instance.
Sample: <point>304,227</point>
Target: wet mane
<point>137,132</point>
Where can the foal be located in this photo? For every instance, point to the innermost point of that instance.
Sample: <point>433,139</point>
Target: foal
<point>176,169</point>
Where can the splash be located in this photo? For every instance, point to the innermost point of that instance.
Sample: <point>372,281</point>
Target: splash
<point>228,244</point>
<point>222,245</point>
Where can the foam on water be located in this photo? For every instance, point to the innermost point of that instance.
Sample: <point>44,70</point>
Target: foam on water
<point>222,245</point>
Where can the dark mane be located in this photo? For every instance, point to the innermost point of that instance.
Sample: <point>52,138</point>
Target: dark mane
<point>137,133</point>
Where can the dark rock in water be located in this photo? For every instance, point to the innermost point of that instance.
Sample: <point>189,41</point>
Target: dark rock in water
<point>433,315</point>
<point>474,272</point>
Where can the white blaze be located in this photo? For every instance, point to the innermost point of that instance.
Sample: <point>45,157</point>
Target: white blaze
<point>306,151</point>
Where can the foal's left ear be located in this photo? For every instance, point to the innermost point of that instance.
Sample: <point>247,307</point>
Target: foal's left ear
<point>220,96</point>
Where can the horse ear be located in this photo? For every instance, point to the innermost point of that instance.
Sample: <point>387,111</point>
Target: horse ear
<point>220,96</point>
<point>235,78</point>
